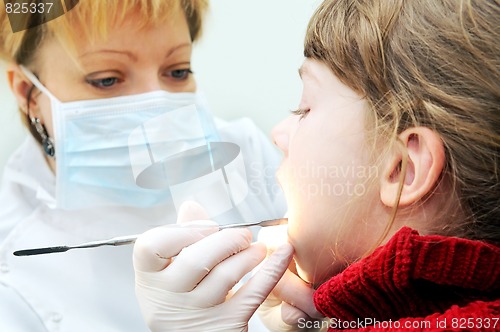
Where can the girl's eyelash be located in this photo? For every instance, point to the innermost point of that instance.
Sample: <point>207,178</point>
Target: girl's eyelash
<point>301,111</point>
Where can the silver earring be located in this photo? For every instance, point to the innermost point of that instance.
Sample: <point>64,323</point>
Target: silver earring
<point>47,142</point>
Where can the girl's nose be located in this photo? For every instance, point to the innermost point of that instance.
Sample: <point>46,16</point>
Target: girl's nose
<point>281,133</point>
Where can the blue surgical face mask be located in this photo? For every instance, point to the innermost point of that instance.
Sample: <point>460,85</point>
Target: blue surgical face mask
<point>138,150</point>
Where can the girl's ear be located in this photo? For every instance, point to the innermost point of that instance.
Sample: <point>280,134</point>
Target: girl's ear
<point>21,87</point>
<point>425,163</point>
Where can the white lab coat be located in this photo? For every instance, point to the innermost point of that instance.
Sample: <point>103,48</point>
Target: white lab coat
<point>93,289</point>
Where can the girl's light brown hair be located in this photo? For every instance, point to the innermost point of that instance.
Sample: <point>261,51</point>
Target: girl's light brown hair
<point>432,63</point>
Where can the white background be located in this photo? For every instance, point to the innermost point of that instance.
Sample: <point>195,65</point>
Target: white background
<point>246,63</point>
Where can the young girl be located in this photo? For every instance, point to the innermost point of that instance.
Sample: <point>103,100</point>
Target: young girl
<point>391,175</point>
<point>85,83</point>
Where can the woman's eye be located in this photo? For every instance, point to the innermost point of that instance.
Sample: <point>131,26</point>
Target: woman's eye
<point>103,83</point>
<point>179,74</point>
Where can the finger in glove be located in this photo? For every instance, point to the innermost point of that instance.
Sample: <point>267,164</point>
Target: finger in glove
<point>154,249</point>
<point>194,262</point>
<point>256,290</point>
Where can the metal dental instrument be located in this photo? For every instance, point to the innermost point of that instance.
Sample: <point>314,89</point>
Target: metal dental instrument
<point>124,240</point>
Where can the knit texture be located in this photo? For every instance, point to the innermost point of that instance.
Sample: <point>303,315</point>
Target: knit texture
<point>416,277</point>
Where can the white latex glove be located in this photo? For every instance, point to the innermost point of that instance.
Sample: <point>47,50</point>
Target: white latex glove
<point>291,301</point>
<point>188,292</point>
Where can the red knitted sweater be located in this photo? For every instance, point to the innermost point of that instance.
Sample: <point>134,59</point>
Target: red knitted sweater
<point>417,282</point>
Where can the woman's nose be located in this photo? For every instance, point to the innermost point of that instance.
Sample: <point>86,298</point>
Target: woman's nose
<point>281,133</point>
<point>146,84</point>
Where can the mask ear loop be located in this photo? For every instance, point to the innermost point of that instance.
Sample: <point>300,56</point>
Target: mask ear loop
<point>36,82</point>
<point>47,141</point>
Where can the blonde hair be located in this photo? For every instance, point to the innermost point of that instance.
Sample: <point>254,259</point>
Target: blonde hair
<point>21,47</point>
<point>93,19</point>
<point>432,63</point>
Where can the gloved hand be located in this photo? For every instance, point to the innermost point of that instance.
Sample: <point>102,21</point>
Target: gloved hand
<point>291,301</point>
<point>184,274</point>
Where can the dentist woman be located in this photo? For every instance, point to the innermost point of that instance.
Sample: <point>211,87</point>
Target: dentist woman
<point>88,85</point>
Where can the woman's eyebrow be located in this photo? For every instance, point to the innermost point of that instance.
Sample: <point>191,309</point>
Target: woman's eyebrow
<point>175,48</point>
<point>126,53</point>
<point>132,56</point>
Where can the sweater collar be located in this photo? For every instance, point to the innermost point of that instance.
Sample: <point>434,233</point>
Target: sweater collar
<point>412,275</point>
